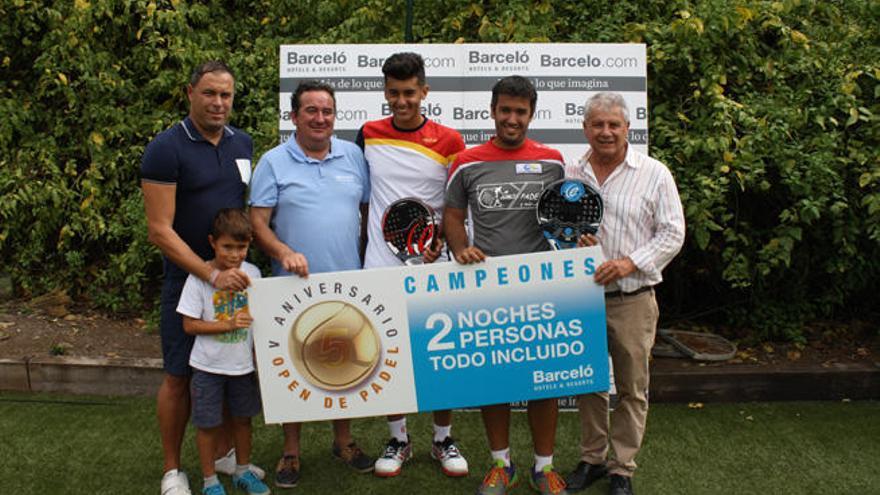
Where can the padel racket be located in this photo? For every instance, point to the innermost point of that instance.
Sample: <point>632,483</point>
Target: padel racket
<point>568,208</point>
<point>409,227</point>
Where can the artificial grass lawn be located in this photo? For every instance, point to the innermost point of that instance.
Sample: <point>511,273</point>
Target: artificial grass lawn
<point>73,445</point>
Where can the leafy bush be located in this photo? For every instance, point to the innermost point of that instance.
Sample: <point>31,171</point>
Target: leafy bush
<point>767,113</point>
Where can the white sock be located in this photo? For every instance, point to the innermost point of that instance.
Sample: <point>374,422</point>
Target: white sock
<point>170,473</point>
<point>541,461</point>
<point>211,481</point>
<point>398,429</point>
<point>240,469</point>
<point>441,432</point>
<point>503,455</point>
<point>231,453</point>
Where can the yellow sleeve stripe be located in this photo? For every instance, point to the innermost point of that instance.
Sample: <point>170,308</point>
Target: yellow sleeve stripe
<point>433,155</point>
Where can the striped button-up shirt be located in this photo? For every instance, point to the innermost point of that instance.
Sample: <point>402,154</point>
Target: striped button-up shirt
<point>643,217</point>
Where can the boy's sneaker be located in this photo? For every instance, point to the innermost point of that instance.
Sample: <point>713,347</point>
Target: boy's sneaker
<point>287,472</point>
<point>547,482</point>
<point>226,465</point>
<point>175,484</point>
<point>499,480</point>
<point>352,455</point>
<point>451,461</point>
<point>250,484</point>
<point>391,462</point>
<point>214,490</point>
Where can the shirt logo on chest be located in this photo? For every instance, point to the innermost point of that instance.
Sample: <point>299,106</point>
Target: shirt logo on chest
<point>509,195</point>
<point>346,179</point>
<point>529,168</point>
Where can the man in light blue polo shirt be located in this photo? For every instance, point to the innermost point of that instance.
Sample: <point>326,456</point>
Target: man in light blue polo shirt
<point>308,205</point>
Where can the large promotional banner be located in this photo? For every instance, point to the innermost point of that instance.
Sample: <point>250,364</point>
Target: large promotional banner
<point>461,79</point>
<point>439,336</point>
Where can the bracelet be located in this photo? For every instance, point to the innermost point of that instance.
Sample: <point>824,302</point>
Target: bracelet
<point>212,279</point>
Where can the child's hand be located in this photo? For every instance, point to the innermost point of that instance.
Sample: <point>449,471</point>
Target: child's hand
<point>242,319</point>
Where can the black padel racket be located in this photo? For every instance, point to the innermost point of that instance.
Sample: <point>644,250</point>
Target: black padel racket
<point>568,208</point>
<point>409,228</point>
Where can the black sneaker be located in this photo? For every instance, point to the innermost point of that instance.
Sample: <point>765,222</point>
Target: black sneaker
<point>620,485</point>
<point>287,472</point>
<point>584,475</point>
<point>352,455</point>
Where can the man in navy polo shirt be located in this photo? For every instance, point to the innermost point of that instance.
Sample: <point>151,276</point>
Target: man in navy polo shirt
<point>188,173</point>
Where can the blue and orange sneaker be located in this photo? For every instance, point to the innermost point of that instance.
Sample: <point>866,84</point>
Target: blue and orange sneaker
<point>547,482</point>
<point>499,479</point>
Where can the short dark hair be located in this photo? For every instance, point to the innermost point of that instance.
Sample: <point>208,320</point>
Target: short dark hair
<point>310,85</point>
<point>233,222</point>
<point>516,86</point>
<point>210,66</point>
<point>403,66</point>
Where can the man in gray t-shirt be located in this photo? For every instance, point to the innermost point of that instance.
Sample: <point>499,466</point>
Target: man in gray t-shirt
<point>502,187</point>
<point>501,181</point>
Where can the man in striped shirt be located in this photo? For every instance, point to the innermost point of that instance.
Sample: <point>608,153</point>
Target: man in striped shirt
<point>642,230</point>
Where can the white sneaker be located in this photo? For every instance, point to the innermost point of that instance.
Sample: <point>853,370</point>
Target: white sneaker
<point>175,483</point>
<point>391,462</point>
<point>226,465</point>
<point>451,461</point>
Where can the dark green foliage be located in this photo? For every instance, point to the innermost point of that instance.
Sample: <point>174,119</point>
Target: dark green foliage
<point>767,113</point>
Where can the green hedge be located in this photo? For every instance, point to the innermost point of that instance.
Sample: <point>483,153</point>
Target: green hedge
<point>767,113</point>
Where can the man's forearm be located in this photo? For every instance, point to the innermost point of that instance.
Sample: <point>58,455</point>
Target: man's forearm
<point>270,244</point>
<point>265,237</point>
<point>173,248</point>
<point>453,228</point>
<point>159,205</point>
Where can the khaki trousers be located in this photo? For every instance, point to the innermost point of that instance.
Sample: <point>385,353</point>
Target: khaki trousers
<point>632,326</point>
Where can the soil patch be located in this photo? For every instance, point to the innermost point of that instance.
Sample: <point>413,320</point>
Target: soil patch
<point>829,345</point>
<point>27,331</point>
<point>55,326</point>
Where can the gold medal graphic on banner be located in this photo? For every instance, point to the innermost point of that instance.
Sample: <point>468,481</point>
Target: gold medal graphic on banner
<point>334,345</point>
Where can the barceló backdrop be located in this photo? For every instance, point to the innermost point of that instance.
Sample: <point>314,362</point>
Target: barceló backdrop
<point>461,78</point>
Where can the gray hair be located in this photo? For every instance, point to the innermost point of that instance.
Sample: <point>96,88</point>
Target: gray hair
<point>606,102</point>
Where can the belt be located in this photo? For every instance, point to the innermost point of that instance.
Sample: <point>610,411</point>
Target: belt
<point>620,293</point>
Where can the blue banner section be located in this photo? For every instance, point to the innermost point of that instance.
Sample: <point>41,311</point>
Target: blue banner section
<point>514,328</point>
